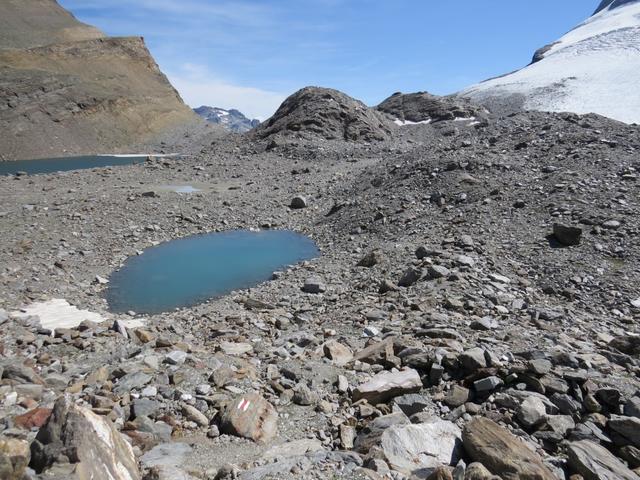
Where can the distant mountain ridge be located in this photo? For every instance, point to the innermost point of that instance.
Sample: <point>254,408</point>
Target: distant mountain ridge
<point>66,88</point>
<point>232,120</point>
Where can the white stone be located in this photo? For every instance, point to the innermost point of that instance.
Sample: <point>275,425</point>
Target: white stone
<point>231,348</point>
<point>177,357</point>
<point>149,391</point>
<point>411,448</point>
<point>293,449</point>
<point>499,278</point>
<point>204,389</point>
<point>57,313</point>
<point>387,385</point>
<point>371,331</point>
<point>133,323</point>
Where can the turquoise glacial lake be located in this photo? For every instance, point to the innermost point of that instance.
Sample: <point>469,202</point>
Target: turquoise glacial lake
<point>192,270</point>
<point>52,165</point>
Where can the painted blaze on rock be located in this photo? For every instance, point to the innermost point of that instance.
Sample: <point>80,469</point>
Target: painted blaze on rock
<point>252,417</point>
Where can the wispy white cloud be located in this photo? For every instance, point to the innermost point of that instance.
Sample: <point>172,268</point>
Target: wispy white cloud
<point>239,12</point>
<point>199,86</point>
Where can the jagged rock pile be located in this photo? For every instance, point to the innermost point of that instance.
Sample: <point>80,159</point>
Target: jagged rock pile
<point>424,107</point>
<point>327,114</point>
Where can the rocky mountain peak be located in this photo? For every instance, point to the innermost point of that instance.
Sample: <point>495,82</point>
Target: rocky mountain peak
<point>611,4</point>
<point>315,112</point>
<point>232,120</point>
<point>34,23</point>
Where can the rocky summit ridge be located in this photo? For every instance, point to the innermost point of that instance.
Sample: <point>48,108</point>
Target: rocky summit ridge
<point>66,88</point>
<point>325,113</point>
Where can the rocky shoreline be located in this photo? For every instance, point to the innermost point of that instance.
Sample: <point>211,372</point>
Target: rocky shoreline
<point>445,332</point>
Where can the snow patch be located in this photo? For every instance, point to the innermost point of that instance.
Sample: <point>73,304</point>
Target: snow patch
<point>57,313</point>
<point>404,123</point>
<point>593,68</point>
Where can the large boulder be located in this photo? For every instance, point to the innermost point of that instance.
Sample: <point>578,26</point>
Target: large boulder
<point>328,114</point>
<point>595,462</point>
<point>502,453</point>
<point>418,449</point>
<point>87,440</point>
<point>252,417</point>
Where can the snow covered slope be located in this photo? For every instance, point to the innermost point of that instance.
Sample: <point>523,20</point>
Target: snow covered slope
<point>593,68</point>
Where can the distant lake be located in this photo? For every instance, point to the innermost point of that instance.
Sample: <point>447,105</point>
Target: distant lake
<point>191,270</point>
<point>52,165</point>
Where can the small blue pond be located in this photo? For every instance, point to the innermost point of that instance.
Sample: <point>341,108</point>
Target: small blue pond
<point>191,270</point>
<point>51,165</point>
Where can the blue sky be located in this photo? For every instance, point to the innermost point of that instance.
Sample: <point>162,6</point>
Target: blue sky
<point>251,54</point>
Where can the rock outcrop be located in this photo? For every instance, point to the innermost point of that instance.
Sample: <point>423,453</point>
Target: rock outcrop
<point>89,441</point>
<point>423,107</point>
<point>66,88</point>
<point>323,113</point>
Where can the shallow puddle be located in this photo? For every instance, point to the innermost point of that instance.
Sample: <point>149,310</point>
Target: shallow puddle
<point>189,271</point>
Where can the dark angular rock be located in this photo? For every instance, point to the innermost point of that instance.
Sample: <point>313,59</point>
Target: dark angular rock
<point>567,236</point>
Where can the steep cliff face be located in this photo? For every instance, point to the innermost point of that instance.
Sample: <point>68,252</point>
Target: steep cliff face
<point>94,95</point>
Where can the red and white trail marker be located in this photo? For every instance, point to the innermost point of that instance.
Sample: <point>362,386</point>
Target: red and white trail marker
<point>244,404</point>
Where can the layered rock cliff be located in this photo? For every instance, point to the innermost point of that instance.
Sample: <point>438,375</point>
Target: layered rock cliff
<point>66,88</point>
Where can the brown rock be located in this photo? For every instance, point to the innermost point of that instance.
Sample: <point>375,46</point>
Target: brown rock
<point>380,353</point>
<point>14,458</point>
<point>502,453</point>
<point>337,353</point>
<point>477,471</point>
<point>441,473</point>
<point>144,335</point>
<point>100,375</point>
<point>195,415</point>
<point>34,418</point>
<point>457,396</point>
<point>250,416</point>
